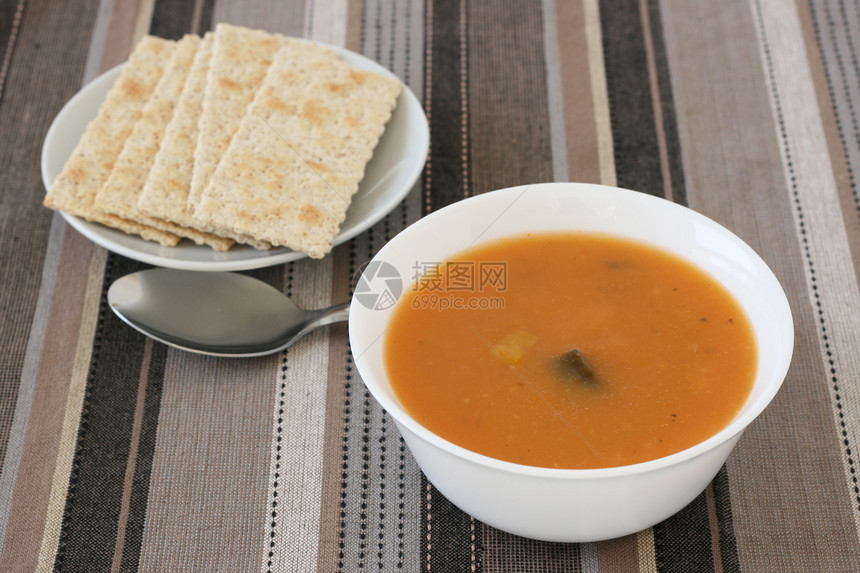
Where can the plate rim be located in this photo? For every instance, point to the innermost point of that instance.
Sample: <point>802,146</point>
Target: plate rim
<point>413,113</point>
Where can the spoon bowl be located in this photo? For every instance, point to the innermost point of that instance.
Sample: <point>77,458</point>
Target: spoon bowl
<point>218,314</point>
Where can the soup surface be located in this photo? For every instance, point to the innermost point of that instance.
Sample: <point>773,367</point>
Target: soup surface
<point>569,351</point>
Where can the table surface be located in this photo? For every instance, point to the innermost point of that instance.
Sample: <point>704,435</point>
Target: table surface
<point>121,454</point>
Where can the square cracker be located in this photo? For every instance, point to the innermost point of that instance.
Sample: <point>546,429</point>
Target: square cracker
<point>90,164</point>
<point>293,166</point>
<point>121,192</point>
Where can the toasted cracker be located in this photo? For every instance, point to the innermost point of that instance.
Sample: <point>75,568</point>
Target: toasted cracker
<point>90,164</point>
<point>154,190</point>
<point>165,193</point>
<point>240,58</point>
<point>239,62</point>
<point>121,191</point>
<point>292,168</point>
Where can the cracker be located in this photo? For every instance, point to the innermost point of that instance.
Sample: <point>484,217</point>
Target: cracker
<point>120,193</point>
<point>162,198</point>
<point>90,164</point>
<point>165,193</point>
<point>292,168</point>
<point>240,58</point>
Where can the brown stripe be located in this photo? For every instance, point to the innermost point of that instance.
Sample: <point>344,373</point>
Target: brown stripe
<point>714,525</point>
<point>273,16</point>
<point>198,26</point>
<point>618,554</point>
<point>442,104</point>
<point>354,25</point>
<point>206,487</point>
<point>120,33</point>
<point>503,552</point>
<point>125,501</point>
<point>629,86</point>
<point>97,439</point>
<point>29,508</point>
<point>9,26</point>
<point>508,109</point>
<point>787,476</point>
<point>583,161</point>
<point>172,19</point>
<point>44,28</point>
<point>654,85</point>
<point>26,223</point>
<point>831,284</point>
<point>725,521</point>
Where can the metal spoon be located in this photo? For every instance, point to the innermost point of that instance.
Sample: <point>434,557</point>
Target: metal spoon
<point>219,314</point>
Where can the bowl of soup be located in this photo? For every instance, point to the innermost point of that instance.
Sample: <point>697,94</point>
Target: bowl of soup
<point>570,362</point>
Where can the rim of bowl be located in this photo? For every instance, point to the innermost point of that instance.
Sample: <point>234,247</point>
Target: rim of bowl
<point>749,411</point>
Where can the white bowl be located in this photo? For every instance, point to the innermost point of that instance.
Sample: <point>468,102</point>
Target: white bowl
<point>576,505</point>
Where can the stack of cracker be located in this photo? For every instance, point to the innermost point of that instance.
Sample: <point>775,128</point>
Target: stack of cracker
<point>239,136</point>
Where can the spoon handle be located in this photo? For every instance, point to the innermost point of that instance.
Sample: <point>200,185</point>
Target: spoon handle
<point>332,314</point>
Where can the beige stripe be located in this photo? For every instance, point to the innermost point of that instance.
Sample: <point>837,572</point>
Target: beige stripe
<point>299,415</point>
<point>464,100</point>
<point>646,552</point>
<point>297,457</point>
<point>98,38</point>
<point>29,465</point>
<point>143,20</point>
<point>835,279</point>
<point>599,92</point>
<point>99,35</point>
<point>137,422</point>
<point>72,412</point>
<point>428,103</point>
<point>298,433</point>
<point>554,89</point>
<point>583,148</point>
<point>196,17</point>
<point>327,21</point>
<point>656,101</point>
<point>841,173</point>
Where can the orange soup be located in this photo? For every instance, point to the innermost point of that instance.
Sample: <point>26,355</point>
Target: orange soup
<point>569,351</point>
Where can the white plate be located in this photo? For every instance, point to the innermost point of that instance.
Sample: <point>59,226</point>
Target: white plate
<point>396,164</point>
